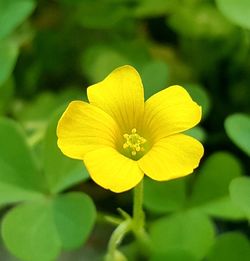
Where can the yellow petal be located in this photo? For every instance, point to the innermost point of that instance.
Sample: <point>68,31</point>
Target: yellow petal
<point>172,157</point>
<point>111,170</point>
<point>170,111</point>
<point>84,127</point>
<point>121,96</point>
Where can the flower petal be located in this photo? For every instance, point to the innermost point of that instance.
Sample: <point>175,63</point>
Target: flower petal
<point>172,157</point>
<point>120,94</point>
<point>111,170</point>
<point>84,127</point>
<point>170,111</point>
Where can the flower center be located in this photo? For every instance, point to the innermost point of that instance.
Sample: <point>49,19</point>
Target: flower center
<point>134,142</point>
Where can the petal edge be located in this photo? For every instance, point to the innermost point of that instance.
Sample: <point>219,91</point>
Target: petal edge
<point>172,157</point>
<point>120,95</point>
<point>114,172</point>
<point>169,112</point>
<point>84,127</point>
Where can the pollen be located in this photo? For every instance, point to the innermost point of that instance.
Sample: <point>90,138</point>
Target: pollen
<point>134,142</point>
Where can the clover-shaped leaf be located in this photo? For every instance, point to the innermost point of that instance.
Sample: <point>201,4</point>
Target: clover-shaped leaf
<point>210,193</point>
<point>238,129</point>
<point>46,223</point>
<point>161,197</point>
<point>37,231</point>
<point>20,178</point>
<point>240,193</point>
<point>231,246</point>
<point>236,11</point>
<point>189,232</point>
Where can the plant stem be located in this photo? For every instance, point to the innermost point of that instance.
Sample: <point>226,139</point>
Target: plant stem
<point>138,214</point>
<point>135,224</point>
<point>116,239</point>
<point>139,220</point>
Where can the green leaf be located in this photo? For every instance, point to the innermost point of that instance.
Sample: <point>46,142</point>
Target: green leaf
<point>35,116</point>
<point>238,129</point>
<point>194,20</point>
<point>19,176</point>
<point>161,197</point>
<point>29,232</point>
<point>6,94</point>
<point>61,172</point>
<point>199,95</point>
<point>74,216</point>
<point>36,111</point>
<point>237,12</point>
<point>210,192</point>
<point>191,232</point>
<point>100,15</point>
<point>232,246</point>
<point>38,231</point>
<point>198,133</point>
<point>174,255</point>
<point>13,13</point>
<point>240,193</point>
<point>99,61</point>
<point>8,56</point>
<point>223,208</point>
<point>14,193</point>
<point>154,77</point>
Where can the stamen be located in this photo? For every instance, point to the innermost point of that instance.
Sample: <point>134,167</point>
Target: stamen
<point>134,142</point>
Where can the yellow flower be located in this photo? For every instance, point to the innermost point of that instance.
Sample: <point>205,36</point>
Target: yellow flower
<point>119,137</point>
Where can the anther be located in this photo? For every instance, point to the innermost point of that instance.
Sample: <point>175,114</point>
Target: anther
<point>134,142</point>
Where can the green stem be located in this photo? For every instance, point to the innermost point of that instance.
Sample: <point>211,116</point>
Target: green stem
<point>138,214</point>
<point>116,239</point>
<point>135,224</point>
<point>139,220</point>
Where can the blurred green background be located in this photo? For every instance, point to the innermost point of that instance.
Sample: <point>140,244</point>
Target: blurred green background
<point>51,51</point>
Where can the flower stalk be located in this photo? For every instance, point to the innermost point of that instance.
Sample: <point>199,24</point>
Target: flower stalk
<point>134,224</point>
<point>138,214</point>
<point>139,219</point>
